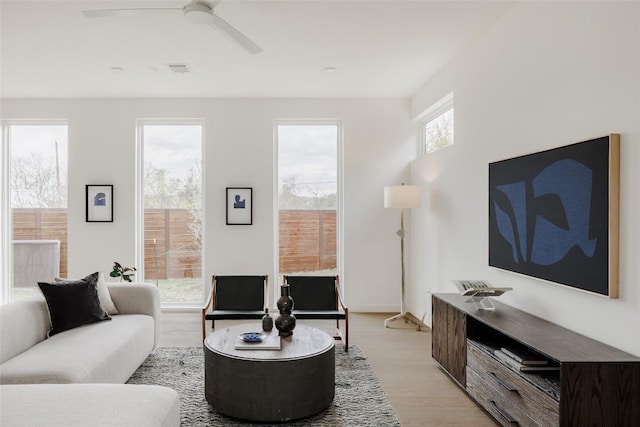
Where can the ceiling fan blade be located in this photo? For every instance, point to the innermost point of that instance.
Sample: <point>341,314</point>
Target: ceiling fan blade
<point>197,11</point>
<point>230,31</point>
<point>105,13</point>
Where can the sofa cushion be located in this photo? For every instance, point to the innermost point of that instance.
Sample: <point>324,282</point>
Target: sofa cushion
<point>103,352</point>
<point>23,324</point>
<point>73,303</point>
<point>137,298</point>
<point>95,405</point>
<point>103,294</point>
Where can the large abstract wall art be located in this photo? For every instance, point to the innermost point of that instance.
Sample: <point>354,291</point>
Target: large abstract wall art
<point>553,215</point>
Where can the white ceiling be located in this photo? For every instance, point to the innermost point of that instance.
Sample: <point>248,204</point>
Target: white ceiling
<point>379,48</point>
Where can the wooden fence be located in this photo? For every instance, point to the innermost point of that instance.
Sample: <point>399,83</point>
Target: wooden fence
<point>307,240</point>
<point>169,248</point>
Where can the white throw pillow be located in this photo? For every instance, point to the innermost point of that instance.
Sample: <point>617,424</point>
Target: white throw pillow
<point>103,294</point>
<point>105,297</point>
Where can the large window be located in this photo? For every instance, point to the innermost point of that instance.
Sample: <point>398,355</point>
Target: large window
<point>437,126</point>
<point>37,200</point>
<point>308,197</point>
<point>172,220</point>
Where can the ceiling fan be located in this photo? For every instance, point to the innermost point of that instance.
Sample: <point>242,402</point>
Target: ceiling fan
<point>196,11</point>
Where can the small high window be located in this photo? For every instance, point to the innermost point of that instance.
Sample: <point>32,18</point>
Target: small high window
<point>437,126</point>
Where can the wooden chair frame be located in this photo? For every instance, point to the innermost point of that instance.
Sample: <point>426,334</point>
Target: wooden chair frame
<point>229,314</point>
<point>336,314</point>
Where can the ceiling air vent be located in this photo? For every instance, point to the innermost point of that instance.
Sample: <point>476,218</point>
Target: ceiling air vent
<point>179,68</point>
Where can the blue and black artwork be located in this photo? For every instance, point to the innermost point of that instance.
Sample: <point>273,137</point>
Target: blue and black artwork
<point>100,199</point>
<point>549,215</point>
<point>238,203</point>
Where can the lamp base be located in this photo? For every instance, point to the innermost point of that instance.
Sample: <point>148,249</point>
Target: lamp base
<point>407,319</point>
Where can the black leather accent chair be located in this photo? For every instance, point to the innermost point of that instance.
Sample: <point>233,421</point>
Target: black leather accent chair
<point>235,297</point>
<point>318,297</point>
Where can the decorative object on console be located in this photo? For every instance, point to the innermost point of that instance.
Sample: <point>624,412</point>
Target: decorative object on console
<point>522,367</point>
<point>124,273</point>
<point>524,356</point>
<point>285,322</point>
<point>239,205</point>
<point>479,292</point>
<point>553,215</point>
<point>99,203</point>
<point>73,303</point>
<point>402,197</point>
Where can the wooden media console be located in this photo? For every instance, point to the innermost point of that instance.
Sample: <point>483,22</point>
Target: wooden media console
<point>585,382</point>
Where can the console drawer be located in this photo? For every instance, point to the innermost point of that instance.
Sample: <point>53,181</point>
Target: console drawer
<point>503,409</point>
<point>511,389</point>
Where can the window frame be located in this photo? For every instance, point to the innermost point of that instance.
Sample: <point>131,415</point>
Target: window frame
<point>339,196</point>
<point>6,223</point>
<point>139,200</point>
<point>432,113</point>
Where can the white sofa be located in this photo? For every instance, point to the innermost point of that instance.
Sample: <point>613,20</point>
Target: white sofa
<point>84,405</point>
<point>70,370</point>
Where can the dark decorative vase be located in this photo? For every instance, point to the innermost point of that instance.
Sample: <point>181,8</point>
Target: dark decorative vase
<point>267,321</point>
<point>285,322</point>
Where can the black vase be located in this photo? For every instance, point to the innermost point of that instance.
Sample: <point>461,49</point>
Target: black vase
<point>285,322</point>
<point>267,321</point>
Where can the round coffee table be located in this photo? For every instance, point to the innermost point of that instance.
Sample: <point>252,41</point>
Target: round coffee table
<point>294,382</point>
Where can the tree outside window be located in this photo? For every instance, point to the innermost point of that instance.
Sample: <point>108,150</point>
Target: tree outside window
<point>38,208</point>
<point>307,165</point>
<point>438,131</point>
<point>172,210</point>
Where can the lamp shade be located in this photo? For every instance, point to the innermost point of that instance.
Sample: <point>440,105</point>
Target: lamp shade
<point>402,196</point>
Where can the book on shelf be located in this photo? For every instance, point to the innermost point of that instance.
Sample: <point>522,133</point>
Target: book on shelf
<point>524,356</point>
<point>479,288</point>
<point>507,360</point>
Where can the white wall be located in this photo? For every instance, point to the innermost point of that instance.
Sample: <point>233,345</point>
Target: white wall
<point>547,74</point>
<point>378,144</point>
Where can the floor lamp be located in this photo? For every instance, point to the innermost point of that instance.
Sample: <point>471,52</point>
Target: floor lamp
<point>402,197</point>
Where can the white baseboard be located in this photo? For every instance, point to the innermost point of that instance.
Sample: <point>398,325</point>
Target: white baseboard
<point>374,308</point>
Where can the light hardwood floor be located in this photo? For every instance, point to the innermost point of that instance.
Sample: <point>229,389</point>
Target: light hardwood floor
<point>419,391</point>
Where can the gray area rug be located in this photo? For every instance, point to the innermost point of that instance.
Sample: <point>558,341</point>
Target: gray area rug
<point>359,399</point>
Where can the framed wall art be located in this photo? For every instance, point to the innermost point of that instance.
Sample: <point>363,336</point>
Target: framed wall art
<point>99,203</point>
<point>239,206</point>
<point>554,215</point>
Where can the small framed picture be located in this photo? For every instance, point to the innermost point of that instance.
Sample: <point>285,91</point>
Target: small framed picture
<point>239,206</point>
<point>99,203</point>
